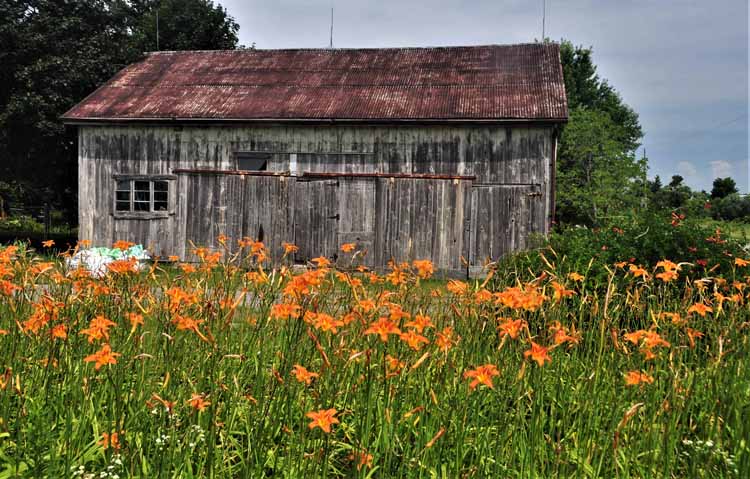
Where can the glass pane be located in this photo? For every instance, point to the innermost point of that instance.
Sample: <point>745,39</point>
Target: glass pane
<point>160,196</point>
<point>122,205</point>
<point>123,185</point>
<point>142,196</point>
<point>142,185</point>
<point>161,186</point>
<point>123,196</point>
<point>252,164</point>
<point>140,206</point>
<point>160,206</point>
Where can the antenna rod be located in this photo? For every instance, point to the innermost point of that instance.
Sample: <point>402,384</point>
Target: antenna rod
<point>157,29</point>
<point>331,44</point>
<point>544,17</point>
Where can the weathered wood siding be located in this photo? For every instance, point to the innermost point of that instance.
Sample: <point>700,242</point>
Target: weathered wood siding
<point>508,200</point>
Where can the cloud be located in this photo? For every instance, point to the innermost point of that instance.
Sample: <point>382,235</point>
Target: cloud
<point>687,170</point>
<point>721,169</point>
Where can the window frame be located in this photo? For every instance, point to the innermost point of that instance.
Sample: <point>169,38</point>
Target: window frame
<point>263,156</point>
<point>151,213</point>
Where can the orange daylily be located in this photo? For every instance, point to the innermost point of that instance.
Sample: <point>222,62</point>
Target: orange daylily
<point>636,336</point>
<point>675,318</point>
<point>321,261</point>
<point>741,262</point>
<point>123,245</point>
<point>383,327</point>
<point>511,328</point>
<point>483,296</point>
<point>562,336</point>
<point>326,322</point>
<point>395,365</point>
<point>98,329</point>
<point>482,375</point>
<point>198,402</point>
<point>59,331</point>
<point>692,334</point>
<point>634,378</point>
<point>420,323</point>
<point>444,340</point>
<point>560,291</point>
<point>457,287</point>
<point>424,267</point>
<point>363,459</point>
<point>700,309</point>
<point>667,275</point>
<point>348,247</point>
<point>323,418</point>
<point>397,313</point>
<point>528,298</point>
<point>668,265</point>
<point>413,339</point>
<point>652,339</point>
<point>48,243</point>
<point>638,272</point>
<point>538,353</point>
<point>576,277</point>
<point>103,357</point>
<point>366,305</point>
<point>110,441</point>
<point>289,248</point>
<point>303,375</point>
<point>285,311</point>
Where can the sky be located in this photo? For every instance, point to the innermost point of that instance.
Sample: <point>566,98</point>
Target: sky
<point>682,65</point>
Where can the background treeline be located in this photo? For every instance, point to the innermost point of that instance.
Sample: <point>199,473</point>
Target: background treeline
<point>55,52</point>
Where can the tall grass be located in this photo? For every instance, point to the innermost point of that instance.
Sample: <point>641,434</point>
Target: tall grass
<point>204,387</point>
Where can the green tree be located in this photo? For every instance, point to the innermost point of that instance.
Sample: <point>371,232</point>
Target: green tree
<point>183,25</point>
<point>53,53</point>
<point>655,186</point>
<point>596,176</point>
<point>597,171</point>
<point>676,181</point>
<point>723,187</point>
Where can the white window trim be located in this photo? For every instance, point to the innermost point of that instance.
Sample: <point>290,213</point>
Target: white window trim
<point>141,215</point>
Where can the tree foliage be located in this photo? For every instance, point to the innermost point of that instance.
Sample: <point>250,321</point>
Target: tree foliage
<point>723,187</point>
<point>597,172</point>
<point>183,25</point>
<point>55,52</point>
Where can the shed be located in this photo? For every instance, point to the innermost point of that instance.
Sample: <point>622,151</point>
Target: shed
<point>445,154</point>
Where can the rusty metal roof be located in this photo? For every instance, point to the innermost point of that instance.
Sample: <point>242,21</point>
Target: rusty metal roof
<point>477,83</point>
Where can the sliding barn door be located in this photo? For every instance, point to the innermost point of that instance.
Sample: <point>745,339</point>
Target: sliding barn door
<point>502,218</point>
<point>316,218</point>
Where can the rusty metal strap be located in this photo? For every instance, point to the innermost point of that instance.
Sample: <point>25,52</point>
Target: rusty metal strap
<point>416,176</point>
<point>199,171</point>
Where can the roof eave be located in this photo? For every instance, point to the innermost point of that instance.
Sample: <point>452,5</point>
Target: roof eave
<point>146,120</point>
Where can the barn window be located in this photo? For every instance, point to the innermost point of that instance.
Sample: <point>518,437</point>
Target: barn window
<point>141,195</point>
<point>252,160</point>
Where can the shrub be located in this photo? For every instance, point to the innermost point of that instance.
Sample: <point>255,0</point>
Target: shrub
<point>730,207</point>
<point>642,239</point>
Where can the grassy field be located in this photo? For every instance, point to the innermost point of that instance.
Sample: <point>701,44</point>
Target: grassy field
<point>233,369</point>
<point>737,230</point>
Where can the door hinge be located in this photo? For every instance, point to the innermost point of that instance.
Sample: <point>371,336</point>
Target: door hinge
<point>334,217</point>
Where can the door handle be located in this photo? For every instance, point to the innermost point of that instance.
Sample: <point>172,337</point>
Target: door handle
<point>334,217</point>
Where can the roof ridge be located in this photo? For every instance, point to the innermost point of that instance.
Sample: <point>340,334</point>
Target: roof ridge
<point>351,49</point>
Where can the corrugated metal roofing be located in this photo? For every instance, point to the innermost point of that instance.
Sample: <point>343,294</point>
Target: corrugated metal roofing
<point>493,82</point>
